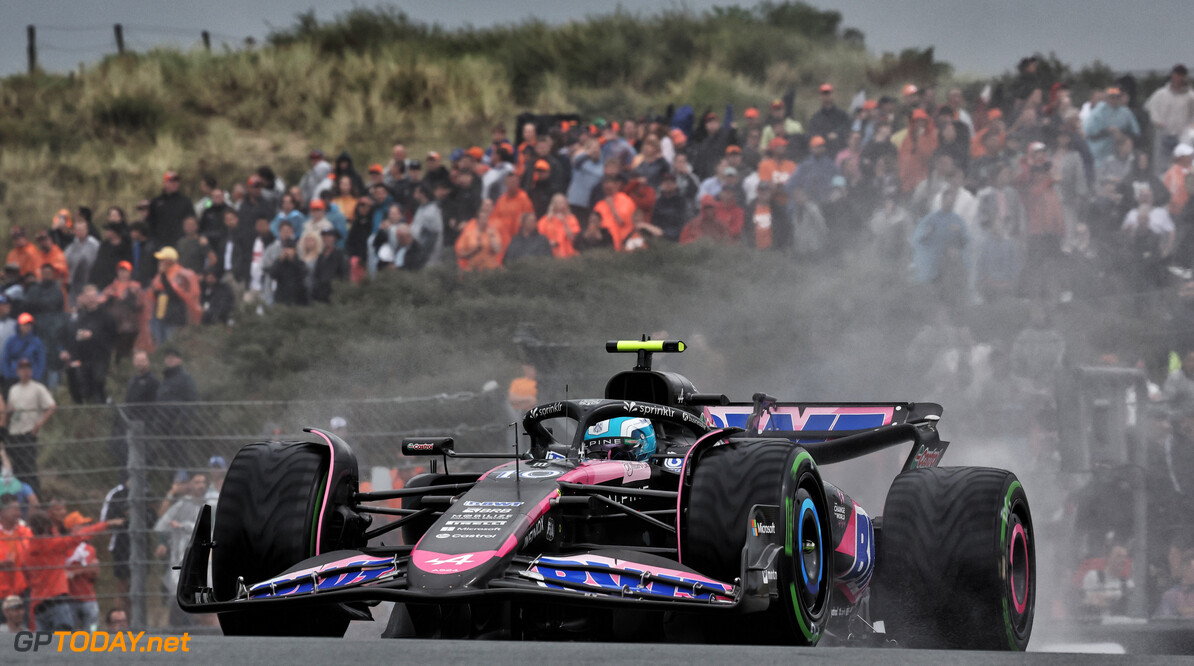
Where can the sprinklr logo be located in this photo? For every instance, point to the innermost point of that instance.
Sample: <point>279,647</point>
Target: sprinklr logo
<point>761,528</point>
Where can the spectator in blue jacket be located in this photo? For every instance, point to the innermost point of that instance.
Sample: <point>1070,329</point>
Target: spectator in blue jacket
<point>587,171</point>
<point>290,213</point>
<point>1108,121</point>
<point>23,345</point>
<point>815,174</point>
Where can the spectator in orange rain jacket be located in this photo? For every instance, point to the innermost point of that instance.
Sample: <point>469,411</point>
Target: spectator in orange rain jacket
<point>82,572</point>
<point>480,245</point>
<point>52,254</point>
<point>916,151</point>
<point>775,168</point>
<point>994,126</point>
<point>46,568</point>
<point>616,210</point>
<point>509,208</point>
<point>14,544</point>
<point>23,253</point>
<point>705,225</point>
<point>559,227</point>
<point>641,193</point>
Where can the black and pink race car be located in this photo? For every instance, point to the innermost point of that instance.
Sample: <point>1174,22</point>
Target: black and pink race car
<point>723,531</point>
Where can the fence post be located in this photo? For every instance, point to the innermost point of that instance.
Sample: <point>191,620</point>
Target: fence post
<point>206,40</point>
<point>138,527</point>
<point>119,30</point>
<point>32,48</point>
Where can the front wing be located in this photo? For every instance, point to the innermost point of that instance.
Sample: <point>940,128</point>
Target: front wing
<point>587,579</point>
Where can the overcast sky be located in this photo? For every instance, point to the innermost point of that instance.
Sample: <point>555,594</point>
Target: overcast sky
<point>976,37</point>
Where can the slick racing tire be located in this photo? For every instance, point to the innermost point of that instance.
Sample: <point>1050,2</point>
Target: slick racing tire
<point>266,523</point>
<point>956,563</point>
<point>727,481</point>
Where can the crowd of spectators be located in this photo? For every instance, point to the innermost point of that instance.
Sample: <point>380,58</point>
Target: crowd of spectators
<point>1033,195</point>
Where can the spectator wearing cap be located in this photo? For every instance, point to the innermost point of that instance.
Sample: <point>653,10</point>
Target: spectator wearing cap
<point>1171,110</point>
<point>780,113</point>
<point>331,266</point>
<point>122,299</point>
<point>87,344</point>
<point>174,295</point>
<point>816,172</point>
<point>540,188</point>
<point>167,211</point>
<point>46,570</point>
<point>1108,121</point>
<point>324,214</point>
<point>750,118</point>
<point>434,168</point>
<point>916,151</point>
<point>320,168</point>
<point>23,254</point>
<point>29,406</point>
<point>256,203</point>
<point>776,168</point>
<point>709,143</point>
<point>288,273</point>
<point>830,122</point>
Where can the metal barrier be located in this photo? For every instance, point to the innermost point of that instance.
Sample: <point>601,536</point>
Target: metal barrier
<point>128,461</point>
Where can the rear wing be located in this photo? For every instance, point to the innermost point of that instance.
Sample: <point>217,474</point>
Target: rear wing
<point>834,432</point>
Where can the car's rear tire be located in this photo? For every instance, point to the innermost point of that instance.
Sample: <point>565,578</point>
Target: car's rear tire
<point>730,479</point>
<point>266,523</point>
<point>956,562</point>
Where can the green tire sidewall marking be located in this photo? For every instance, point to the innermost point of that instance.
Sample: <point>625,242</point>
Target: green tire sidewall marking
<point>1005,514</point>
<point>789,549</point>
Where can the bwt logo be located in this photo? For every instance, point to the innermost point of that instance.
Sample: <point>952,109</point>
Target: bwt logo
<point>98,641</point>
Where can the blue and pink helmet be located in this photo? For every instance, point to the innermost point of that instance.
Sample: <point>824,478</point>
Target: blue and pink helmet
<point>622,438</point>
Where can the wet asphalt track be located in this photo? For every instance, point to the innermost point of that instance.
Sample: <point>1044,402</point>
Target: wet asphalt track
<point>238,651</point>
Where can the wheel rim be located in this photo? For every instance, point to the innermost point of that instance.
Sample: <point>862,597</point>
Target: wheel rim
<point>811,557</point>
<point>1019,568</point>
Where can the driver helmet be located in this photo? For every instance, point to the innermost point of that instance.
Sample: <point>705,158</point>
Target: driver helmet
<point>622,438</point>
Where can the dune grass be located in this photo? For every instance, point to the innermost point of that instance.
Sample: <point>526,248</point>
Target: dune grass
<point>372,77</point>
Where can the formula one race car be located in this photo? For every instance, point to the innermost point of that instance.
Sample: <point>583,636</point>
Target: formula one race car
<point>654,513</point>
